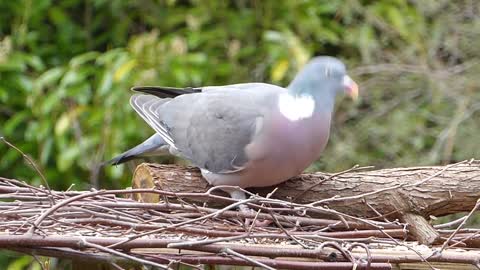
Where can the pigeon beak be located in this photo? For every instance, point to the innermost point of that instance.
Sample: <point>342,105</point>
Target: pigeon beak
<point>351,87</point>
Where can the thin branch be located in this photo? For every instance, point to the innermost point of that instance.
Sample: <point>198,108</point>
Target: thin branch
<point>86,225</point>
<point>445,244</point>
<point>361,196</point>
<point>354,168</point>
<point>121,254</point>
<point>246,258</point>
<point>31,162</point>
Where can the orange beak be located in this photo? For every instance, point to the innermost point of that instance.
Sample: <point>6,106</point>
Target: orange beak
<point>351,87</point>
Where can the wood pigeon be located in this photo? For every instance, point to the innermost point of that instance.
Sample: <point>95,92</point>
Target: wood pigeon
<point>248,134</point>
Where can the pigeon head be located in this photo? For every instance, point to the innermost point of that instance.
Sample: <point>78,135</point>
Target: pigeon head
<point>323,77</point>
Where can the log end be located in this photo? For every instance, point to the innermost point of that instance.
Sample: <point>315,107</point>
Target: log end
<point>143,178</point>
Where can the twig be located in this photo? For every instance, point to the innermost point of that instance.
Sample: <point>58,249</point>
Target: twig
<point>206,241</point>
<point>354,168</point>
<point>248,259</point>
<point>360,196</point>
<point>32,163</point>
<point>199,234</point>
<point>450,223</point>
<point>445,244</point>
<point>116,266</point>
<point>121,254</point>
<point>234,205</point>
<point>286,232</point>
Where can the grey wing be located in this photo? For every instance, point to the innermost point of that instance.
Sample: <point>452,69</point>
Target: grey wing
<point>251,87</point>
<point>211,129</point>
<point>147,106</point>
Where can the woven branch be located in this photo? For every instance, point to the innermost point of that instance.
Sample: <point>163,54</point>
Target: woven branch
<point>110,227</point>
<point>408,194</point>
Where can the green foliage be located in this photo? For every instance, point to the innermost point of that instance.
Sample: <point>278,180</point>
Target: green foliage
<point>66,69</point>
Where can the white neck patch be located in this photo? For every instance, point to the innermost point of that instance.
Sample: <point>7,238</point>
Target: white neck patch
<point>296,107</point>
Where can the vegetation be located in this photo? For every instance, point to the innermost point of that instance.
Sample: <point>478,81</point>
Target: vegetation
<point>66,68</point>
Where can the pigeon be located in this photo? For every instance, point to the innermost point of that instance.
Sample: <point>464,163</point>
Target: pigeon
<point>247,134</point>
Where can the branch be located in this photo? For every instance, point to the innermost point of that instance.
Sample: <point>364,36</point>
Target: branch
<point>324,228</point>
<point>409,194</point>
<point>437,191</point>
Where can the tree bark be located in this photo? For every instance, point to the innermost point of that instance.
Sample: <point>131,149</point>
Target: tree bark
<point>409,194</point>
<point>391,192</point>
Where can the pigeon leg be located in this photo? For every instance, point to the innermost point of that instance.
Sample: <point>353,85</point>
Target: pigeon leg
<point>240,195</point>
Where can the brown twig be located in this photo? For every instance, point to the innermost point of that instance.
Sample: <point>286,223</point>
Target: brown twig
<point>246,258</point>
<point>354,168</point>
<point>121,254</point>
<point>106,223</point>
<point>445,244</point>
<point>31,162</point>
<point>364,195</point>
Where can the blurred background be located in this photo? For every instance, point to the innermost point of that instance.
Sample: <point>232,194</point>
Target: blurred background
<point>66,68</point>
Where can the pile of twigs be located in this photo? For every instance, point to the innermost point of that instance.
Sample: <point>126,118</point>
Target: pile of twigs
<point>108,226</point>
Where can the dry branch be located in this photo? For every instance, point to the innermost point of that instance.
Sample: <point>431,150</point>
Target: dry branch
<point>408,194</point>
<point>109,227</point>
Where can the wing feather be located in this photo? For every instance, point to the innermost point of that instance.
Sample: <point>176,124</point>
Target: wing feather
<point>211,128</point>
<point>166,92</point>
<point>145,106</point>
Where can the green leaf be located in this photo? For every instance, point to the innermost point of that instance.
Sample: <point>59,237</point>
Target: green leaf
<point>66,157</point>
<point>105,83</point>
<point>279,70</point>
<point>63,123</point>
<point>197,58</point>
<point>123,70</point>
<point>46,150</point>
<point>17,119</point>
<point>35,62</point>
<point>23,83</point>
<point>83,58</point>
<point>397,19</point>
<point>274,36</point>
<point>65,120</point>
<point>80,92</point>
<point>15,62</point>
<point>51,100</point>
<point>115,171</point>
<point>49,77</point>
<point>3,95</point>
<point>327,7</point>
<point>20,263</point>
<point>58,16</point>
<point>72,76</point>
<point>109,56</point>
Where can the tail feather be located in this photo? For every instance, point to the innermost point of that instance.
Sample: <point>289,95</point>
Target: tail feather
<point>166,92</point>
<point>122,158</point>
<point>154,145</point>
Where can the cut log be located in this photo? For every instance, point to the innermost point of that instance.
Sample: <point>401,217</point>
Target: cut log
<point>409,194</point>
<point>426,191</point>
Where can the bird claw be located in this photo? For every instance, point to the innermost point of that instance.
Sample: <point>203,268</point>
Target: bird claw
<point>257,223</point>
<point>249,221</point>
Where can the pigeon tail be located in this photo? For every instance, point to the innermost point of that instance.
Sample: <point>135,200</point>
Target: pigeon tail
<point>154,145</point>
<point>166,92</point>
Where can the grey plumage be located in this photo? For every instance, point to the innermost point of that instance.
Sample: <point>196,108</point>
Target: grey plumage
<point>211,133</point>
<point>152,146</point>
